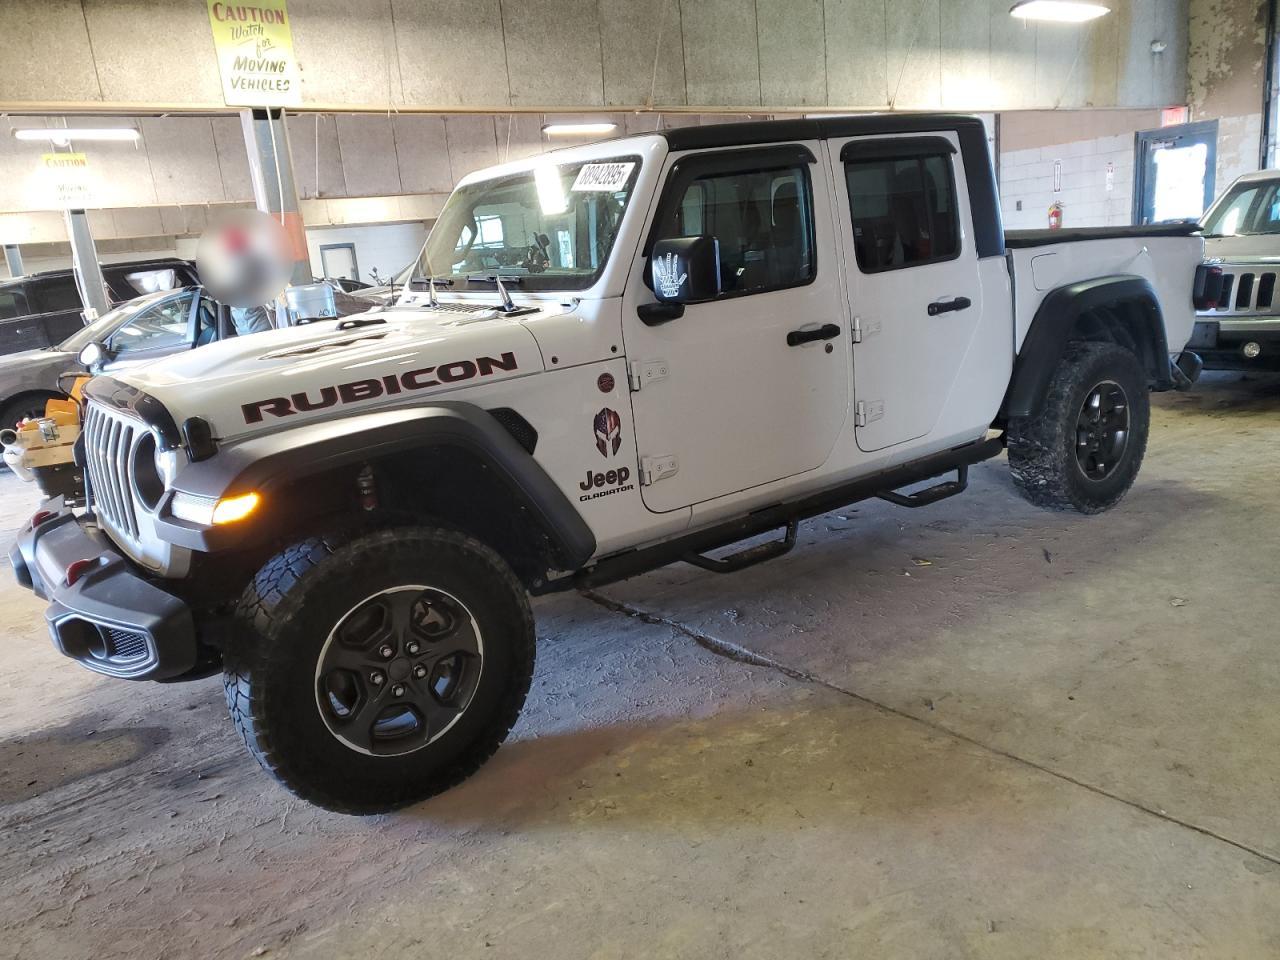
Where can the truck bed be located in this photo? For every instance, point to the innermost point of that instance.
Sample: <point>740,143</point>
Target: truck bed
<point>1165,255</point>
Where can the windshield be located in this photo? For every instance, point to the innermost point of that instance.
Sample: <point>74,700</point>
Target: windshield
<point>552,227</point>
<point>1248,209</point>
<point>102,328</point>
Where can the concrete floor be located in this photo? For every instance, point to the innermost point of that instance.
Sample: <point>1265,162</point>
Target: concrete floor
<point>972,730</point>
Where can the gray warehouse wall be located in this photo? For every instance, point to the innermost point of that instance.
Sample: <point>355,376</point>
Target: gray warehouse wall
<point>774,55</point>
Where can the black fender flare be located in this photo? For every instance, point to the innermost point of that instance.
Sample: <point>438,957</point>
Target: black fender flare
<point>272,461</point>
<point>1059,315</point>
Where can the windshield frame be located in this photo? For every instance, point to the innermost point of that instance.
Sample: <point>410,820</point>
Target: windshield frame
<point>523,280</point>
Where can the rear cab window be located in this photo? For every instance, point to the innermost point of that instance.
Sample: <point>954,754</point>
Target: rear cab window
<point>902,201</point>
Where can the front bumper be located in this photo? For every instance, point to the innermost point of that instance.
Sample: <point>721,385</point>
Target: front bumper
<point>113,619</point>
<point>1221,343</point>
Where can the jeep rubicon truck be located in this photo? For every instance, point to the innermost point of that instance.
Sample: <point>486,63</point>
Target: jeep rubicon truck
<point>613,357</point>
<point>1238,327</point>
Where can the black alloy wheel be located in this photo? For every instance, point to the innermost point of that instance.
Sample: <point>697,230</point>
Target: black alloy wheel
<point>399,670</point>
<point>1102,430</point>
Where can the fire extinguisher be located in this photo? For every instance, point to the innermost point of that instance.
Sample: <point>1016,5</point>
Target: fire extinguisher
<point>1055,216</point>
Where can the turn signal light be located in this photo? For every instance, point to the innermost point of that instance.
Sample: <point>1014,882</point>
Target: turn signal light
<point>231,509</point>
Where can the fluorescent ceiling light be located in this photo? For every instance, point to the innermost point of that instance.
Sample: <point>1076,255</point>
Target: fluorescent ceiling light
<point>1059,11</point>
<point>67,134</point>
<point>577,129</point>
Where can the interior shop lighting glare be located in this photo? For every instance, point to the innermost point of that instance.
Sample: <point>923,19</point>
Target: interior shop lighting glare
<point>1058,11</point>
<point>577,129</point>
<point>63,135</point>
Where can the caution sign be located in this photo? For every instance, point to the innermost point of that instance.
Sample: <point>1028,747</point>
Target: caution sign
<point>254,42</point>
<point>66,179</point>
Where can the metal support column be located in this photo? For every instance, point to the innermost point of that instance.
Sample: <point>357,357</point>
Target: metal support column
<point>274,191</point>
<point>85,266</point>
<point>13,259</point>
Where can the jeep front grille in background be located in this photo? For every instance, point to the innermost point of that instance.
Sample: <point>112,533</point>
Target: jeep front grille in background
<point>109,440</point>
<point>1245,292</point>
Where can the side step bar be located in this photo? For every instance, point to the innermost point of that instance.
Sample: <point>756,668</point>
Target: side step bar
<point>748,557</point>
<point>939,491</point>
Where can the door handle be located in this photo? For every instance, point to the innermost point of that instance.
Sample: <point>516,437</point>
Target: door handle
<point>949,306</point>
<point>825,332</point>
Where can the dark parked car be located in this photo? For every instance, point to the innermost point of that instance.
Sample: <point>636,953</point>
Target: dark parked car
<point>43,309</point>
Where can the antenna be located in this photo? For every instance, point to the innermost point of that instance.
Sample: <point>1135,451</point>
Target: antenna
<point>431,293</point>
<point>508,306</point>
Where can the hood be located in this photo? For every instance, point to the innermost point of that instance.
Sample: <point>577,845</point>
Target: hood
<point>1259,248</point>
<point>38,357</point>
<point>331,368</point>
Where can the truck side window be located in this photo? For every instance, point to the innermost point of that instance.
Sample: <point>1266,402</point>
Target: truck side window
<point>763,220</point>
<point>12,304</point>
<point>53,294</point>
<point>903,211</point>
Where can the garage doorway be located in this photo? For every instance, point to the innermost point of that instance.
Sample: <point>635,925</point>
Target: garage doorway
<point>1175,172</point>
<point>338,261</point>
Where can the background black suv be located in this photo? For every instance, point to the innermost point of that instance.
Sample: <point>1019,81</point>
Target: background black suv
<point>44,308</point>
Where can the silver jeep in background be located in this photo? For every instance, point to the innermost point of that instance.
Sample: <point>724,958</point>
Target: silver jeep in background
<point>1240,330</point>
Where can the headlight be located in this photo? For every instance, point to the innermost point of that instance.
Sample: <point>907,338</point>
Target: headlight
<point>148,481</point>
<point>166,462</point>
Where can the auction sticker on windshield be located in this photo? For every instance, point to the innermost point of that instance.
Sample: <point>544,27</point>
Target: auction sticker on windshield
<point>603,176</point>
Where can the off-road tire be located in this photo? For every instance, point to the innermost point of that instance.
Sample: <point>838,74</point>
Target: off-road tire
<point>1042,451</point>
<point>283,620</point>
<point>29,405</point>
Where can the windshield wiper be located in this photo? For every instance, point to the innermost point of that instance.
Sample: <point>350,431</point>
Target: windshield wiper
<point>508,305</point>
<point>510,280</point>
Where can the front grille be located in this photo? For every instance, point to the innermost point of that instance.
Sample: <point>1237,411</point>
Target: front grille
<point>125,644</point>
<point>109,439</point>
<point>1245,293</point>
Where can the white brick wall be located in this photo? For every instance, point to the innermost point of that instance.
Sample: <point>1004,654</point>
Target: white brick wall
<point>1026,178</point>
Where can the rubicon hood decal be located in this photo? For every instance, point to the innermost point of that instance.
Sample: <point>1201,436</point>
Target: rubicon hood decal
<point>354,391</point>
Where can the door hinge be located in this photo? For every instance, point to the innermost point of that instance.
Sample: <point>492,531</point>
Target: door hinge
<point>640,372</point>
<point>864,328</point>
<point>867,411</point>
<point>653,469</point>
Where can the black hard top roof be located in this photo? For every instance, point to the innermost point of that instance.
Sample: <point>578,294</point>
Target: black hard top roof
<point>819,128</point>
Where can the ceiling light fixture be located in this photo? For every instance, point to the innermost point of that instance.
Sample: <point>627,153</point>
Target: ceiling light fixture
<point>1058,11</point>
<point>578,129</point>
<point>62,135</point>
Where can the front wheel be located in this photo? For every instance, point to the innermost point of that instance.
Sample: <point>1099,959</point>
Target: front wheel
<point>368,674</point>
<point>1083,449</point>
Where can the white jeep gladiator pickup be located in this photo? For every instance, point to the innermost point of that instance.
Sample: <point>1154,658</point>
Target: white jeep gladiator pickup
<point>613,357</point>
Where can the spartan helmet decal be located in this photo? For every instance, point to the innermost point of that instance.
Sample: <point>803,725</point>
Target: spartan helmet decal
<point>608,432</point>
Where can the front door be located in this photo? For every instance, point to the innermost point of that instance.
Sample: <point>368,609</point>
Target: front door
<point>914,287</point>
<point>726,400</point>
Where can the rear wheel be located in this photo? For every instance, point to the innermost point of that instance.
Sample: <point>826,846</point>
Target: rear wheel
<point>1082,451</point>
<point>369,674</point>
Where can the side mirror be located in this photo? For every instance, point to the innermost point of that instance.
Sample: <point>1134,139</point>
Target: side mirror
<point>95,353</point>
<point>686,269</point>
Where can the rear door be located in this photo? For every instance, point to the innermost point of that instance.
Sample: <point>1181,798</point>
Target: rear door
<point>913,283</point>
<point>725,402</point>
